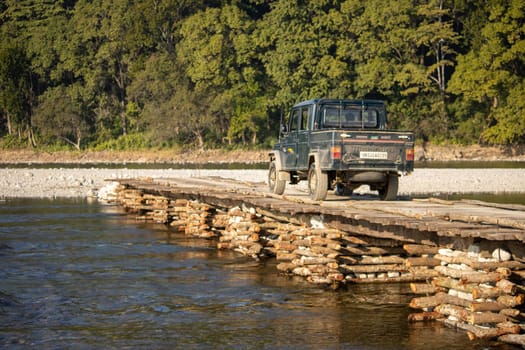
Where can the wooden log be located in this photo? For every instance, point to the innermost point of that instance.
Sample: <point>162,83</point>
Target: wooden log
<point>286,267</point>
<point>424,316</point>
<point>373,268</point>
<point>511,300</point>
<point>451,283</point>
<point>458,312</point>
<point>423,288</point>
<point>486,317</point>
<point>477,306</point>
<point>435,300</point>
<point>303,242</point>
<point>420,249</point>
<point>485,292</point>
<point>422,261</point>
<point>470,276</point>
<point>400,278</point>
<point>321,269</point>
<point>336,276</point>
<point>309,260</point>
<point>474,331</point>
<point>325,232</point>
<point>422,273</point>
<point>306,252</point>
<point>463,258</point>
<point>381,260</point>
<point>360,251</point>
<point>516,339</point>
<point>512,313</point>
<point>507,286</point>
<point>325,251</point>
<point>348,238</point>
<point>280,255</point>
<point>323,241</point>
<point>350,260</point>
<point>301,271</point>
<point>460,294</point>
<point>285,245</point>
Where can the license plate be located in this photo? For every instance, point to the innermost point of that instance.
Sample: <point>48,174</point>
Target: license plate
<point>373,155</point>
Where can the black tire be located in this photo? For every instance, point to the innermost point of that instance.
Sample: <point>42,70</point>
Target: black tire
<point>275,185</point>
<point>317,183</point>
<point>389,191</point>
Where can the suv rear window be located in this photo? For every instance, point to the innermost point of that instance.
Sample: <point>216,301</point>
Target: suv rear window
<point>348,116</point>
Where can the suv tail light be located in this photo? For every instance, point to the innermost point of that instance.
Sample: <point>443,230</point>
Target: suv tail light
<point>409,154</point>
<point>335,152</point>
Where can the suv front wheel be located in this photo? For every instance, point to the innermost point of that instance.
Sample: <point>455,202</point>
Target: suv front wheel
<point>275,185</point>
<point>317,183</point>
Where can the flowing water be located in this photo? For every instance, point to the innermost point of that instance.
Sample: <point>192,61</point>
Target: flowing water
<point>81,275</point>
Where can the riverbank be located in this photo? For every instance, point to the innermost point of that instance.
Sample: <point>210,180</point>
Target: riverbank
<point>86,182</point>
<point>423,153</point>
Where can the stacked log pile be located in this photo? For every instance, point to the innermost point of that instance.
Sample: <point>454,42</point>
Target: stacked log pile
<point>321,255</point>
<point>191,217</point>
<point>483,296</point>
<point>198,220</point>
<point>241,231</point>
<point>367,259</point>
<point>308,252</point>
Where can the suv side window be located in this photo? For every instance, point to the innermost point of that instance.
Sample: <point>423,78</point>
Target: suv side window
<point>294,119</point>
<point>305,114</point>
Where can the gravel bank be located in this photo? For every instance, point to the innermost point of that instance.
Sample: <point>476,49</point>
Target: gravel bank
<point>70,183</point>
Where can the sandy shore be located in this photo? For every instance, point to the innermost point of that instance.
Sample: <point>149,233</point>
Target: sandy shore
<point>80,182</point>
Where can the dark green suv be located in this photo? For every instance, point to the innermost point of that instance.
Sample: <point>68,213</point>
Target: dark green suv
<point>340,144</point>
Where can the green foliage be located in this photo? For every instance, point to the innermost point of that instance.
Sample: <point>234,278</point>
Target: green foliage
<point>125,74</point>
<point>15,89</point>
<point>494,72</point>
<point>128,142</point>
<point>62,114</point>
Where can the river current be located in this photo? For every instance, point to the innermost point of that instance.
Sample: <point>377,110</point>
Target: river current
<point>81,275</point>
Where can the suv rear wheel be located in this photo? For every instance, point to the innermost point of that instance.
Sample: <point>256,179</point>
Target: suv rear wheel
<point>317,183</point>
<point>389,191</point>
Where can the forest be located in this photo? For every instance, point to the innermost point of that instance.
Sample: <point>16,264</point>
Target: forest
<point>126,74</point>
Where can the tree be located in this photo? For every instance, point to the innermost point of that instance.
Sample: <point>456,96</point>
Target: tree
<point>221,62</point>
<point>15,92</point>
<point>63,114</point>
<point>401,51</point>
<point>301,51</point>
<point>493,72</point>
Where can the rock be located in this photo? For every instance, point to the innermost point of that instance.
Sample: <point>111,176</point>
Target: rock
<point>501,255</point>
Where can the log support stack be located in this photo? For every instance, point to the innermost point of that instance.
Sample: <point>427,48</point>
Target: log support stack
<point>376,260</point>
<point>483,296</point>
<point>310,252</point>
<point>241,232</point>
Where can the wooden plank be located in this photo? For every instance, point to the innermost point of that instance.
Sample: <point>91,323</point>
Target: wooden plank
<point>402,219</point>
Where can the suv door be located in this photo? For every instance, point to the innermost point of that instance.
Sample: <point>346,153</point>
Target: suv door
<point>303,137</point>
<point>290,140</point>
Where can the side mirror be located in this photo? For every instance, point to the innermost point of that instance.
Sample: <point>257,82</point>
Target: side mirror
<point>284,129</point>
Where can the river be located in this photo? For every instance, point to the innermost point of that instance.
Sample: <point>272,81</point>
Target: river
<point>81,275</point>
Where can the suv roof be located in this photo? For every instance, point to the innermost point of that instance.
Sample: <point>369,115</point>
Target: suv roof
<point>336,100</point>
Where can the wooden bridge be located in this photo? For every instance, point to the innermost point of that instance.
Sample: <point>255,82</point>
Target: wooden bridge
<point>465,259</point>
